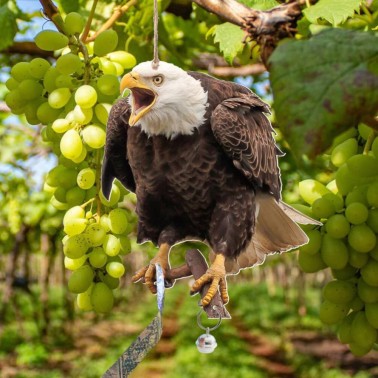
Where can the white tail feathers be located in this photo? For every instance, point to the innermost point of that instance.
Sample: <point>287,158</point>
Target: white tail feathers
<point>275,231</point>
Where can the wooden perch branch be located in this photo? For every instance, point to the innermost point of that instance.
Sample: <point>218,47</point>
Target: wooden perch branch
<point>196,265</point>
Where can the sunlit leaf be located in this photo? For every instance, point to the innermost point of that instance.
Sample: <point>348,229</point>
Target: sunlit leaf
<point>260,4</point>
<point>230,39</point>
<point>8,27</point>
<point>334,11</point>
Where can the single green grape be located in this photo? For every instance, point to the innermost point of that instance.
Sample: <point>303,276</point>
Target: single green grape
<point>118,221</point>
<point>332,313</point>
<point>20,71</point>
<point>334,252</point>
<point>30,89</point>
<point>69,63</point>
<point>369,294</point>
<point>337,226</point>
<point>59,97</point>
<point>86,96</point>
<point>83,300</point>
<point>362,238</point>
<point>310,263</point>
<point>96,234</point>
<point>105,42</point>
<point>363,165</point>
<point>74,23</point>
<point>362,332</point>
<point>108,84</point>
<point>81,279</point>
<point>323,208</point>
<point>102,298</point>
<point>111,245</point>
<point>50,40</point>
<point>75,246</point>
<point>345,327</point>
<point>98,257</point>
<point>115,269</point>
<point>369,272</point>
<point>71,144</point>
<point>73,264</point>
<point>86,178</point>
<point>38,67</point>
<point>94,136</point>
<point>356,213</point>
<point>314,242</point>
<point>344,151</point>
<point>310,190</point>
<point>125,59</point>
<point>371,312</point>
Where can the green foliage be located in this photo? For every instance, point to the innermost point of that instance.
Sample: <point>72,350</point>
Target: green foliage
<point>230,39</point>
<point>260,4</point>
<point>322,87</point>
<point>8,26</point>
<point>333,11</point>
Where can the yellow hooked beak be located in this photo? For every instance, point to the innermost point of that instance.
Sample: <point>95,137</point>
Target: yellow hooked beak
<point>143,97</point>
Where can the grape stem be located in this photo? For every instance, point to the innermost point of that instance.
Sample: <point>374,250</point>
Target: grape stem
<point>369,142</point>
<point>87,64</point>
<point>117,13</point>
<point>87,28</point>
<point>87,203</point>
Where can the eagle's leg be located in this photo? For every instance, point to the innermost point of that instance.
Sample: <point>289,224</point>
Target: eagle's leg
<point>216,274</point>
<point>149,271</point>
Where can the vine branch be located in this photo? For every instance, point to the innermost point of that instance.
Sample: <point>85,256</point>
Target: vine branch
<point>267,28</point>
<point>118,12</point>
<point>52,13</point>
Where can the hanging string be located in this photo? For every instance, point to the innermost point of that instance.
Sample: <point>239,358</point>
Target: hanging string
<point>155,62</point>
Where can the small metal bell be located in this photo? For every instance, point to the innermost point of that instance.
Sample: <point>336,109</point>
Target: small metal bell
<point>206,343</point>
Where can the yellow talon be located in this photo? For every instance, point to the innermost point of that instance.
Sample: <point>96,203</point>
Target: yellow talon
<point>216,274</point>
<point>149,272</point>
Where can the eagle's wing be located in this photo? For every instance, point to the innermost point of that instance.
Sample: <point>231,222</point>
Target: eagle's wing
<point>245,134</point>
<point>115,163</point>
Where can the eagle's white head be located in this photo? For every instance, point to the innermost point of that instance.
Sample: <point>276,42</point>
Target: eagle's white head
<point>164,101</point>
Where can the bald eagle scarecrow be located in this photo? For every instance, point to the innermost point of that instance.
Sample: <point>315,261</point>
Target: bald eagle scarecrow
<point>200,156</point>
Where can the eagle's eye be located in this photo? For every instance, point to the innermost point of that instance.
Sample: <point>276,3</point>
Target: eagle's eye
<point>158,79</point>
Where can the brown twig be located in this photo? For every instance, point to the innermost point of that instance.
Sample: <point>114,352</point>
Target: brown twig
<point>52,13</point>
<point>28,48</point>
<point>87,28</point>
<point>118,12</point>
<point>247,70</point>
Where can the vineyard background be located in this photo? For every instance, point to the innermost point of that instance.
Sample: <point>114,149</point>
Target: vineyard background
<point>275,329</point>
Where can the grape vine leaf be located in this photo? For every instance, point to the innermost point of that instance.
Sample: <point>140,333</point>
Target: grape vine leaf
<point>322,87</point>
<point>8,25</point>
<point>230,39</point>
<point>260,4</point>
<point>334,11</point>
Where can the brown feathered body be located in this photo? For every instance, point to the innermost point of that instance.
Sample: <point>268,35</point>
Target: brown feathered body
<point>220,184</point>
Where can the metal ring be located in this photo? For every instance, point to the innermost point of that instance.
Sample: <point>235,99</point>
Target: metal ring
<point>208,329</point>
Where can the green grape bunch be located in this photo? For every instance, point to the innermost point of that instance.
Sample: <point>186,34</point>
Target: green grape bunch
<point>72,100</point>
<point>348,240</point>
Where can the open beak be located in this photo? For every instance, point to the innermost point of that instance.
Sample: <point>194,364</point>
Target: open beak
<point>143,97</point>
